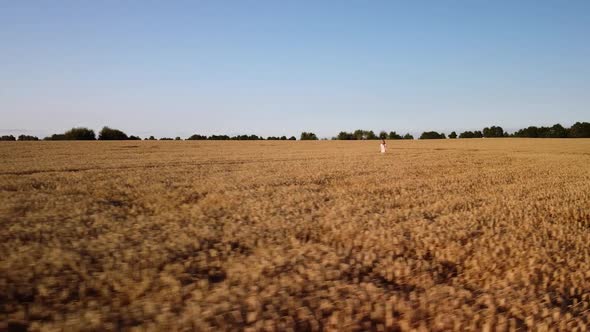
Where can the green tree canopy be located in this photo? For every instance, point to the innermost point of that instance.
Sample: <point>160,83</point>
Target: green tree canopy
<point>110,134</point>
<point>305,136</point>
<point>78,134</point>
<point>432,135</point>
<point>580,130</point>
<point>7,138</point>
<point>394,135</point>
<point>471,134</point>
<point>493,131</point>
<point>197,137</point>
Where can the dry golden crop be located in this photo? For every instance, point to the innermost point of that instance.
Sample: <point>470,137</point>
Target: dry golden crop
<point>482,234</point>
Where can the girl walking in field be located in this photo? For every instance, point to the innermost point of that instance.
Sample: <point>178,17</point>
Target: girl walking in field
<point>383,146</point>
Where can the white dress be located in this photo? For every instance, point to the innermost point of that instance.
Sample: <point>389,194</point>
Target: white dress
<point>382,148</point>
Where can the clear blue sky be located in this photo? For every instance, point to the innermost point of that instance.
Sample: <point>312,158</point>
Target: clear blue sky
<point>172,68</point>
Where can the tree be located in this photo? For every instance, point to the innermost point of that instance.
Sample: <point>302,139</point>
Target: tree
<point>197,137</point>
<point>466,134</point>
<point>453,135</point>
<point>80,134</point>
<point>134,138</point>
<point>432,135</point>
<point>358,134</point>
<point>471,134</point>
<point>246,137</point>
<point>292,138</point>
<point>55,137</point>
<point>344,136</point>
<point>408,136</point>
<point>580,130</point>
<point>152,138</point>
<point>305,136</point>
<point>283,138</point>
<point>394,135</point>
<point>110,134</point>
<point>7,138</point>
<point>27,138</point>
<point>543,132</point>
<point>218,137</point>
<point>557,131</point>
<point>370,135</point>
<point>531,131</point>
<point>177,138</point>
<point>494,131</point>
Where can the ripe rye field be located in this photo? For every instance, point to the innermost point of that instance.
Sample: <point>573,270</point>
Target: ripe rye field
<point>480,234</point>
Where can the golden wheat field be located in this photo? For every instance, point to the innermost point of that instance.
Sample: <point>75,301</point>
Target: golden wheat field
<point>440,235</point>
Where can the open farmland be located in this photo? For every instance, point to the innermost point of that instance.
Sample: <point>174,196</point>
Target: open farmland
<point>482,234</point>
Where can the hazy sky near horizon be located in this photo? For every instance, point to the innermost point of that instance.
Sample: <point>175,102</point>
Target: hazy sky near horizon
<point>169,68</point>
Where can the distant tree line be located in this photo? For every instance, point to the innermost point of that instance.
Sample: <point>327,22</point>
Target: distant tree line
<point>577,130</point>
<point>7,138</point>
<point>432,135</point>
<point>305,136</point>
<point>360,134</point>
<point>20,138</point>
<point>471,134</point>
<point>85,134</point>
<point>198,137</point>
<point>110,134</point>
